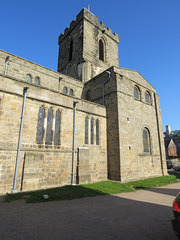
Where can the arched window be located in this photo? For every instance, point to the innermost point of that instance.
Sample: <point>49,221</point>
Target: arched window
<point>71,92</point>
<point>49,127</point>
<point>65,90</point>
<point>71,50</point>
<point>28,78</point>
<point>136,93</point>
<point>101,50</point>
<point>92,131</point>
<point>40,127</point>
<point>97,132</point>
<point>86,130</point>
<point>37,81</point>
<point>57,127</point>
<point>147,97</point>
<point>146,140</point>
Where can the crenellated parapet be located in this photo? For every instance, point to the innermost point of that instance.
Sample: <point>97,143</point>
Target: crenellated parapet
<point>86,14</point>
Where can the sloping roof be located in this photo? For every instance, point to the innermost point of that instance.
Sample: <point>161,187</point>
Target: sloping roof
<point>135,76</point>
<point>166,142</point>
<point>172,134</point>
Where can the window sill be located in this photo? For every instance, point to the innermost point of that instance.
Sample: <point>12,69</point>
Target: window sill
<point>137,99</point>
<point>145,154</point>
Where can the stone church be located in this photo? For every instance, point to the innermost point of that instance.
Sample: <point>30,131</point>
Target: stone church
<point>89,121</point>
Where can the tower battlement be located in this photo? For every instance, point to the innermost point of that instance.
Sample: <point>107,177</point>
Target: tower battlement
<point>87,47</point>
<point>86,14</point>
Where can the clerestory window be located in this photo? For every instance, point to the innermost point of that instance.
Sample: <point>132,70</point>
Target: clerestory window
<point>147,97</point>
<point>28,78</point>
<point>136,93</point>
<point>65,90</point>
<point>37,81</point>
<point>71,92</point>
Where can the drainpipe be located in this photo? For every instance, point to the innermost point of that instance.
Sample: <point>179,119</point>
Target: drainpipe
<point>74,133</point>
<point>60,84</point>
<point>6,63</point>
<point>159,138</point>
<point>109,73</point>
<point>14,190</point>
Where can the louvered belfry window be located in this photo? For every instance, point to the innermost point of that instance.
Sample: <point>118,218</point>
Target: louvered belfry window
<point>101,50</point>
<point>71,50</point>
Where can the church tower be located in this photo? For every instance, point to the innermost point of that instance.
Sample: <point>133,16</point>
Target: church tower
<point>87,48</point>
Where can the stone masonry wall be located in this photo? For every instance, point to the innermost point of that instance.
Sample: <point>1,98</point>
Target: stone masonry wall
<point>18,68</point>
<point>134,115</point>
<point>46,165</point>
<point>126,118</point>
<point>93,32</point>
<point>93,89</point>
<point>84,33</point>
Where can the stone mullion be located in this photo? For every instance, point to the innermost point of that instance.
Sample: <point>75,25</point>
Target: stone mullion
<point>53,125</point>
<point>94,132</point>
<point>45,125</point>
<point>89,130</point>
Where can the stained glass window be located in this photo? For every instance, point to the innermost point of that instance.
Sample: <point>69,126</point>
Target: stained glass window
<point>136,93</point>
<point>37,81</point>
<point>65,90</point>
<point>71,92</point>
<point>86,130</point>
<point>49,127</point>
<point>146,140</point>
<point>28,78</point>
<point>147,97</point>
<point>40,128</point>
<point>57,127</point>
<point>92,131</point>
<point>97,132</point>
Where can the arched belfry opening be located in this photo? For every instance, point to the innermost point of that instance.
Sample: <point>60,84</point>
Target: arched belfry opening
<point>85,42</point>
<point>71,50</point>
<point>101,50</point>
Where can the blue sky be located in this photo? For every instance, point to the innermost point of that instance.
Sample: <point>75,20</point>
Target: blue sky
<point>149,33</point>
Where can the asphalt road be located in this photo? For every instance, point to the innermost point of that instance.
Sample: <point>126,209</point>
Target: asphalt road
<point>142,215</point>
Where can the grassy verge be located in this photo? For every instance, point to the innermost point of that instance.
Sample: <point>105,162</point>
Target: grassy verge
<point>89,190</point>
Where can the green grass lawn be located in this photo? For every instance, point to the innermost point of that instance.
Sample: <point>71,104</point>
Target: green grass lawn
<point>90,190</point>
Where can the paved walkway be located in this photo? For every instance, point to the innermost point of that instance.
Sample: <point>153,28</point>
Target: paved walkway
<point>142,215</point>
